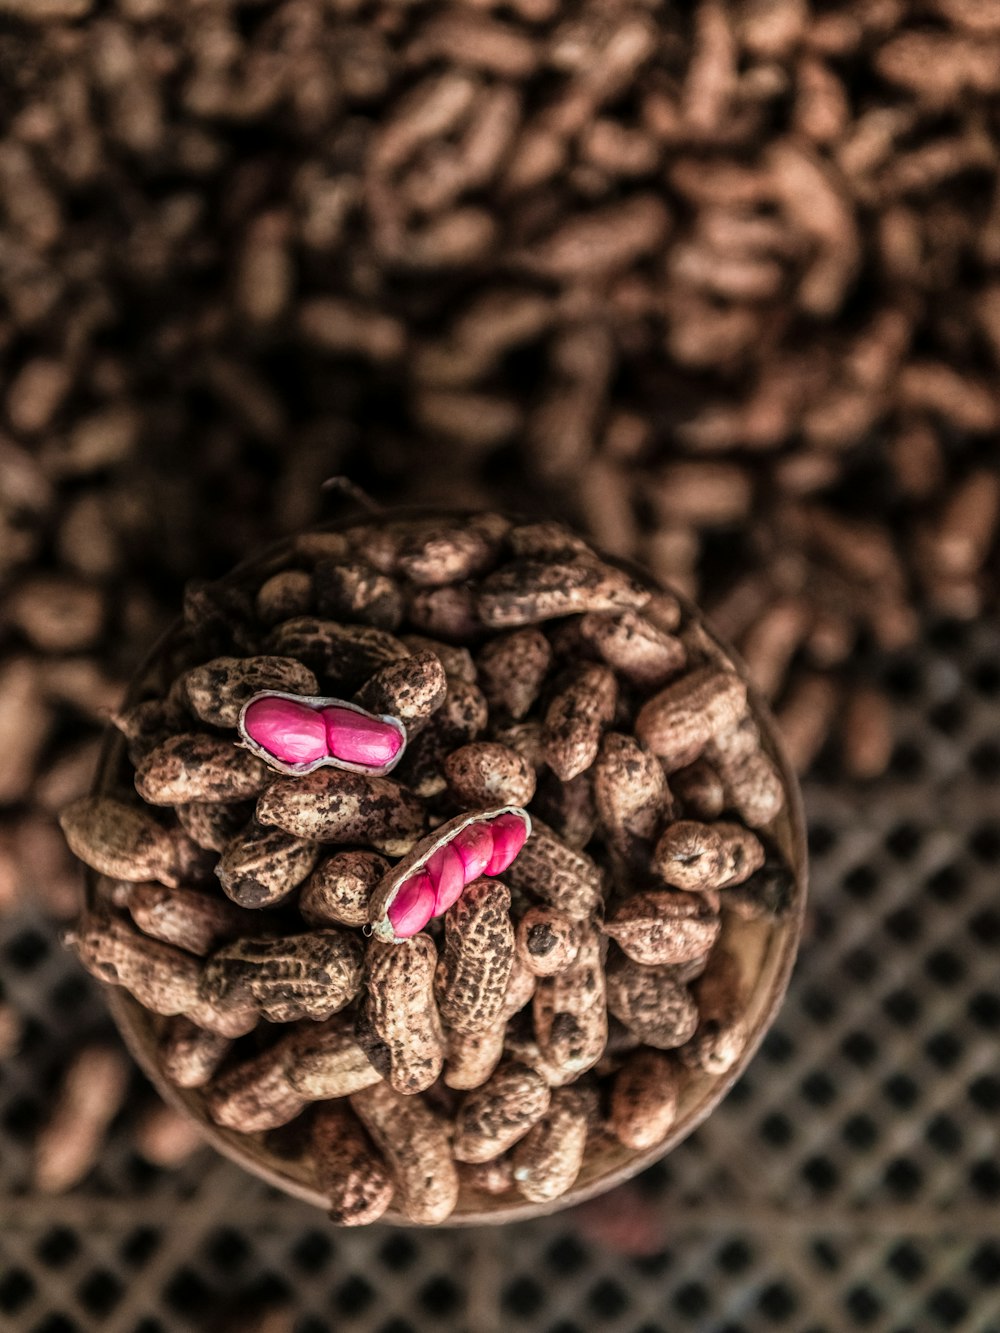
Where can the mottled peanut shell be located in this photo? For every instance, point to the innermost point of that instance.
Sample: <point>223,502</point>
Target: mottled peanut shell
<point>194,766</point>
<point>161,977</point>
<point>494,1178</point>
<point>451,552</point>
<point>754,789</point>
<point>324,1060</point>
<point>457,661</point>
<point>512,669</point>
<point>354,590</point>
<point>569,1012</point>
<point>411,689</point>
<point>486,773</point>
<point>120,841</point>
<point>644,1100</point>
<point>721,1035</point>
<point>699,789</point>
<point>650,1002</point>
<point>217,690</point>
<point>630,794</point>
<point>567,807</point>
<point>445,613</point>
<point>345,654</point>
<point>677,723</point>
<point>189,1055</point>
<point>634,647</point>
<point>547,940</point>
<point>254,1095</point>
<point>472,1056</point>
<point>520,988</point>
<point>528,591</point>
<point>461,718</point>
<point>349,1170</point>
<point>398,1024</point>
<point>260,866</point>
<point>582,706</point>
<point>299,976</point>
<point>697,856</point>
<point>546,540</point>
<point>212,825</point>
<point>526,739</point>
<point>187,918</point>
<point>558,875</point>
<point>283,596</point>
<point>548,1159</point>
<point>477,957</point>
<point>339,890</point>
<point>493,1117</point>
<point>331,805</point>
<point>415,1144</point>
<point>663,927</point>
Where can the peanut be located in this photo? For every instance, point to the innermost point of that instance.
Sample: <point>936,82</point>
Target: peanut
<point>528,591</point>
<point>494,1116</point>
<point>161,977</point>
<point>631,796</point>
<point>398,1023</point>
<point>634,647</point>
<point>92,1092</point>
<point>346,655</point>
<point>217,690</point>
<point>261,866</point>
<point>189,1055</point>
<point>556,874</point>
<point>354,590</point>
<point>663,927</point>
<point>570,1013</point>
<point>700,791</point>
<point>548,1159</point>
<point>254,1095</point>
<point>478,955</point>
<point>339,889</point>
<point>193,767</point>
<point>411,689</point>
<point>548,941</point>
<point>461,718</point>
<point>120,841</point>
<point>324,1060</point>
<point>697,856</point>
<point>582,706</point>
<point>721,1035</point>
<point>512,669</point>
<point>651,1002</point>
<point>415,1145</point>
<point>644,1100</point>
<point>349,1170</point>
<point>299,976</point>
<point>448,553</point>
<point>188,918</point>
<point>285,595</point>
<point>212,826</point>
<point>494,1177</point>
<point>331,805</point>
<point>486,773</point>
<point>768,892</point>
<point>677,723</point>
<point>567,807</point>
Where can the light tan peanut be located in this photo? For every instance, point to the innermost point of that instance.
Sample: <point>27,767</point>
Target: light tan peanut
<point>217,690</point>
<point>582,706</point>
<point>548,1159</point>
<point>529,591</point>
<point>415,1144</point>
<point>324,1060</point>
<point>450,552</point>
<point>697,856</point>
<point>558,875</point>
<point>161,977</point>
<point>567,807</point>
<point>512,669</point>
<point>411,689</point>
<point>461,718</point>
<point>345,654</point>
<point>194,766</point>
<point>663,927</point>
<point>355,590</point>
<point>485,773</point>
<point>188,918</point>
<point>630,794</point>
<point>339,890</point>
<point>398,1024</point>
<point>213,826</point>
<point>254,1095</point>
<point>699,790</point>
<point>284,595</point>
<point>457,661</point>
<point>477,958</point>
<point>493,1117</point>
<point>721,1035</point>
<point>260,866</point>
<point>349,1171</point>
<point>677,723</point>
<point>753,785</point>
<point>189,1055</point>
<point>330,805</point>
<point>120,841</point>
<point>472,1056</point>
<point>92,1093</point>
<point>651,1002</point>
<point>495,1177</point>
<point>547,940</point>
<point>298,976</point>
<point>644,1100</point>
<point>570,1014</point>
<point>637,649</point>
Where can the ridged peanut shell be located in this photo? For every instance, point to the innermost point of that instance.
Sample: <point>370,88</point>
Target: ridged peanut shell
<point>414,1143</point>
<point>349,1169</point>
<point>493,1117</point>
<point>662,927</point>
<point>398,1024</point>
<point>331,805</point>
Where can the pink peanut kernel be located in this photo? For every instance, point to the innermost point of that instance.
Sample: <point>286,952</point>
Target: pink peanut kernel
<point>474,844</point>
<point>510,833</point>
<point>294,733</point>
<point>357,739</point>
<point>413,905</point>
<point>448,876</point>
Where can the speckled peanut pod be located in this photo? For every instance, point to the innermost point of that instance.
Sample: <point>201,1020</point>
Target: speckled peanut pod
<point>631,796</point>
<point>663,927</point>
<point>473,1056</point>
<point>721,1034</point>
<point>260,866</point>
<point>650,1002</point>
<point>398,1024</point>
<point>570,1014</point>
<point>345,655</point>
<point>349,1170</point>
<point>339,890</point>
<point>493,1117</point>
<point>298,976</point>
<point>556,874</point>
<point>213,825</point>
<point>477,957</point>
<point>217,690</point>
<point>331,805</point>
<point>638,650</point>
<point>451,552</point>
<point>548,940</point>
<point>677,723</point>
<point>512,670</point>
<point>528,591</point>
<point>324,1060</point>
<point>579,710</point>
<point>644,1100</point>
<point>460,719</point>
<point>486,773</point>
<point>188,918</point>
<point>194,766</point>
<point>163,978</point>
<point>189,1055</point>
<point>411,689</point>
<point>354,590</point>
<point>415,1145</point>
<point>548,1159</point>
<point>120,841</point>
<point>697,856</point>
<point>750,777</point>
<point>546,540</point>
<point>254,1095</point>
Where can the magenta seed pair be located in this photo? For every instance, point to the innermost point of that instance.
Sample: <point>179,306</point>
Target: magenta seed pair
<point>297,733</point>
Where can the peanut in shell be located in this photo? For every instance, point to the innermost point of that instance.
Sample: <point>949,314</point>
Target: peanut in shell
<point>187,918</point>
<point>398,1024</point>
<point>701,857</point>
<point>217,690</point>
<point>548,940</point>
<point>582,706</point>
<point>120,840</point>
<point>512,669</point>
<point>298,976</point>
<point>678,723</point>
<point>651,1002</point>
<point>414,1143</point>
<point>644,1099</point>
<point>569,1012</point>
<point>477,958</point>
<point>339,890</point>
<point>634,647</point>
<point>549,870</point>
<point>261,866</point>
<point>189,1055</point>
<point>528,591</point>
<point>349,1171</point>
<point>548,1159</point>
<point>195,766</point>
<point>254,1095</point>
<point>331,805</point>
<point>658,926</point>
<point>486,773</point>
<point>494,1116</point>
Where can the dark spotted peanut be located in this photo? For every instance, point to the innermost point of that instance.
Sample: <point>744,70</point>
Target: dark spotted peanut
<point>493,1117</point>
<point>487,774</point>
<point>570,1013</point>
<point>528,591</point>
<point>548,941</point>
<point>189,1055</point>
<point>678,723</point>
<point>411,689</point>
<point>644,1099</point>
<point>697,856</point>
<point>650,1002</point>
<point>512,669</point>
<point>188,918</point>
<point>339,890</point>
<point>261,866</point>
<point>548,1159</point>
<point>477,958</point>
<point>217,690</point>
<point>330,805</point>
<point>349,1170</point>
<point>664,927</point>
<point>579,710</point>
<point>194,766</point>
<point>299,976</point>
<point>556,874</point>
<point>398,1025</point>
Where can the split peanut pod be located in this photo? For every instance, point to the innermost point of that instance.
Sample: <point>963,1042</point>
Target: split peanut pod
<point>298,733</point>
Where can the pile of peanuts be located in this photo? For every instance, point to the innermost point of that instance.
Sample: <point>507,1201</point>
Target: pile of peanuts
<point>467,975</point>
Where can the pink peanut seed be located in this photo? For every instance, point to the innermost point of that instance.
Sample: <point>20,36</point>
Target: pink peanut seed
<point>413,905</point>
<point>447,874</point>
<point>292,732</point>
<point>474,844</point>
<point>357,739</point>
<point>510,833</point>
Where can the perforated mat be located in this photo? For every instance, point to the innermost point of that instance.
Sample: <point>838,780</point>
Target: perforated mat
<point>851,1181</point>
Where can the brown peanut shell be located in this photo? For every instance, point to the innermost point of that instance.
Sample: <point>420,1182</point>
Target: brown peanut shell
<point>582,706</point>
<point>254,1095</point>
<point>217,690</point>
<point>120,841</point>
<point>493,1117</point>
<point>528,591</point>
<point>547,940</point>
<point>349,1170</point>
<point>556,874</point>
<point>330,805</point>
<point>355,590</point>
<point>630,794</point>
<point>187,918</point>
<point>415,1144</point>
<point>678,723</point>
<point>634,647</point>
<point>477,957</point>
<point>411,689</point>
<point>569,1012</point>
<point>189,1055</point>
<point>398,1024</point>
<point>194,766</point>
<point>548,1159</point>
<point>512,668</point>
<point>298,976</point>
<point>650,1002</point>
<point>485,773</point>
<point>662,927</point>
<point>698,857</point>
<point>339,890</point>
<point>644,1100</point>
<point>261,866</point>
<point>324,1060</point>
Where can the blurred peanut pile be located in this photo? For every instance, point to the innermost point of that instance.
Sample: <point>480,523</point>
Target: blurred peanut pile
<point>720,282</point>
